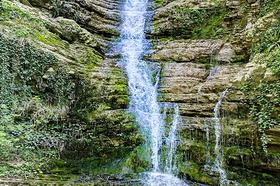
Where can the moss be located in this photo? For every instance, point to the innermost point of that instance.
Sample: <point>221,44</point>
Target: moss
<point>251,177</point>
<point>49,116</point>
<point>91,58</point>
<point>236,151</point>
<point>191,171</point>
<point>133,162</point>
<point>211,27</point>
<point>239,59</point>
<point>50,39</point>
<point>24,24</point>
<point>138,159</point>
<point>198,153</point>
<point>193,23</point>
<point>22,32</point>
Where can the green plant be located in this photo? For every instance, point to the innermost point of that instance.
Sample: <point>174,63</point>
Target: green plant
<point>264,101</point>
<point>269,5</point>
<point>50,39</point>
<point>270,40</point>
<point>274,60</point>
<point>196,23</point>
<point>9,12</point>
<point>33,96</point>
<point>263,96</point>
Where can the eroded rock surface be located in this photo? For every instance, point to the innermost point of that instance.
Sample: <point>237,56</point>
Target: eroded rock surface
<point>205,48</point>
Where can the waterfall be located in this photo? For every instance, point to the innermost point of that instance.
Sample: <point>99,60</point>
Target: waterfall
<point>143,92</point>
<point>218,130</point>
<point>208,154</point>
<point>143,78</point>
<point>171,141</point>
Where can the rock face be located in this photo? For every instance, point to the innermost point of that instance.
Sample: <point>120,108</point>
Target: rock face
<point>186,50</point>
<point>96,16</point>
<point>205,48</point>
<point>84,129</point>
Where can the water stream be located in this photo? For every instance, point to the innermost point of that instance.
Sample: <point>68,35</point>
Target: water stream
<point>143,78</point>
<point>208,154</point>
<point>218,150</point>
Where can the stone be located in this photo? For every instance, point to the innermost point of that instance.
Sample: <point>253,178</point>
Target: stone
<point>232,4</point>
<point>251,1</point>
<point>186,50</point>
<point>66,28</point>
<point>85,29</point>
<point>71,31</point>
<point>25,2</point>
<point>226,53</point>
<point>273,136</point>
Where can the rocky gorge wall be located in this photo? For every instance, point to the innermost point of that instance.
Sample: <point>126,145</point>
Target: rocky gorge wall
<point>206,47</point>
<point>63,111</point>
<point>68,116</point>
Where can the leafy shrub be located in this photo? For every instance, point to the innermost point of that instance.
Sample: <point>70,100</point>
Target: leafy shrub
<point>34,92</point>
<point>27,71</point>
<point>264,101</point>
<point>270,40</point>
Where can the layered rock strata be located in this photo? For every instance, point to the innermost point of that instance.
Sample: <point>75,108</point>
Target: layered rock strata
<point>205,48</point>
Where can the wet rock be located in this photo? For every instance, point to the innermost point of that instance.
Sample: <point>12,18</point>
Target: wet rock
<point>251,1</point>
<point>232,4</point>
<point>95,16</point>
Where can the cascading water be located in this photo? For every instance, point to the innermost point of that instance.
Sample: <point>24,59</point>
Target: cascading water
<point>143,92</point>
<point>171,142</point>
<point>208,154</point>
<point>218,151</point>
<point>143,96</point>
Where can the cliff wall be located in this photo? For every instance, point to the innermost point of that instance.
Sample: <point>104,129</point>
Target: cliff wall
<point>205,48</point>
<point>64,98</point>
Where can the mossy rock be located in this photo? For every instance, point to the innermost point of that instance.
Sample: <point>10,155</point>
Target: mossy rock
<point>192,171</point>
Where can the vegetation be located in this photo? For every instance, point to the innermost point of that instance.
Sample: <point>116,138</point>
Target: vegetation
<point>9,12</point>
<point>263,94</point>
<point>33,95</point>
<point>49,116</point>
<point>197,23</point>
<point>269,6</point>
<point>269,43</point>
<point>24,25</point>
<point>49,113</point>
<point>266,102</point>
<point>194,23</point>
